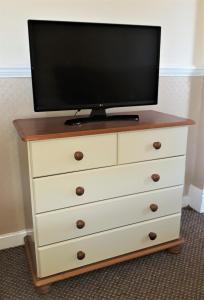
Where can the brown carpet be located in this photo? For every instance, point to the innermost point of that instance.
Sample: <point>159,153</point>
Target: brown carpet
<point>156,277</point>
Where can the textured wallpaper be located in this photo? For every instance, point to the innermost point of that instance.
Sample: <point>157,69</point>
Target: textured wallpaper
<point>178,95</point>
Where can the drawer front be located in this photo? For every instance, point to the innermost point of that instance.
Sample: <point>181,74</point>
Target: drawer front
<point>58,156</point>
<point>60,191</point>
<point>63,256</point>
<point>82,220</point>
<point>144,145</point>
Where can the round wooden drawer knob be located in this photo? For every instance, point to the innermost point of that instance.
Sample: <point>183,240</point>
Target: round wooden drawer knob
<point>155,177</point>
<point>80,255</point>
<point>152,236</point>
<point>157,145</point>
<point>79,191</point>
<point>153,207</point>
<point>80,224</point>
<point>78,155</point>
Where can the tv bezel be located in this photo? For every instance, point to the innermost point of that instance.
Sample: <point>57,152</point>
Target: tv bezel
<point>38,108</point>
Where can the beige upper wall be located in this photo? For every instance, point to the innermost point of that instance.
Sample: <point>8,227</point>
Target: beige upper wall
<point>178,19</point>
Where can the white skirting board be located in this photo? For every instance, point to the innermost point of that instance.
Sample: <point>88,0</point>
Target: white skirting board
<point>15,239</point>
<point>185,201</point>
<point>196,198</point>
<point>12,239</point>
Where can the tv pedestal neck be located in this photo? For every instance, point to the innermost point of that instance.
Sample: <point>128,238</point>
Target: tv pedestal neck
<point>98,115</point>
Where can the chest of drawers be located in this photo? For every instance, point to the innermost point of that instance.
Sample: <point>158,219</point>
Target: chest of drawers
<point>100,194</point>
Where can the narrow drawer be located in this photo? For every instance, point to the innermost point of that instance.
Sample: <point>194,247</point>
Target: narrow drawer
<point>63,256</point>
<point>141,145</point>
<point>82,220</point>
<point>67,190</point>
<point>72,154</point>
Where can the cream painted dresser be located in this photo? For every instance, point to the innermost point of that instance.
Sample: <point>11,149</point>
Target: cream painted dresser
<point>100,193</point>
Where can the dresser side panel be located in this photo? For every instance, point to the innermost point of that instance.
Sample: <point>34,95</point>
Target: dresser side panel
<point>25,182</point>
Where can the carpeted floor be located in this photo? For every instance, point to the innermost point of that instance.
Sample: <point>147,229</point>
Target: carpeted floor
<point>155,277</point>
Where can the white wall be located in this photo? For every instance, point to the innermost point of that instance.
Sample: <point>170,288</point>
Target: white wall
<point>177,18</point>
<point>199,35</point>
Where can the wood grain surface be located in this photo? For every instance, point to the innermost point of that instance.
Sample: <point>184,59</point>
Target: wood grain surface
<point>54,127</point>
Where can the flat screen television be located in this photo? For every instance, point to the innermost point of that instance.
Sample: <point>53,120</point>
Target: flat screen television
<point>78,65</point>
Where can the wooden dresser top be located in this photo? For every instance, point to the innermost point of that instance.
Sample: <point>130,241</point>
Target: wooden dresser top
<point>53,127</point>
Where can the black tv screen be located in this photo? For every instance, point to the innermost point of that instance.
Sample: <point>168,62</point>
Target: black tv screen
<point>79,65</point>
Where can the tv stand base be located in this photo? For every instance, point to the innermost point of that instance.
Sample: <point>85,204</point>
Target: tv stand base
<point>99,115</point>
<point>98,118</point>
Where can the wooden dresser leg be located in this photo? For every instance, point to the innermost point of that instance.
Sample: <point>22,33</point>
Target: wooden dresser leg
<point>175,249</point>
<point>43,289</point>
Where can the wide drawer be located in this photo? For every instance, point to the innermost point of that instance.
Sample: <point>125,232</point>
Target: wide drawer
<point>82,220</point>
<point>63,155</point>
<point>63,256</point>
<point>141,145</point>
<point>60,191</point>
